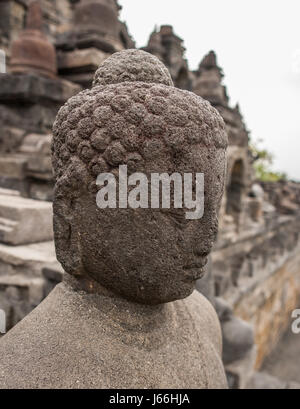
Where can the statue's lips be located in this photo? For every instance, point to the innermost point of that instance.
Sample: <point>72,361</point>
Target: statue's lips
<point>195,270</point>
<point>197,264</point>
<point>194,274</point>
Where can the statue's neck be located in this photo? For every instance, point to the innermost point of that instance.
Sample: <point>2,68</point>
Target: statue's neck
<point>127,314</point>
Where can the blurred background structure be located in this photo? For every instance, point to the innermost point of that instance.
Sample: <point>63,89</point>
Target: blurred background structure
<point>52,50</point>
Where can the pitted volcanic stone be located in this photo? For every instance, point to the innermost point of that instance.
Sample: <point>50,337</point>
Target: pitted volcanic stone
<point>116,116</point>
<point>150,127</point>
<point>133,66</point>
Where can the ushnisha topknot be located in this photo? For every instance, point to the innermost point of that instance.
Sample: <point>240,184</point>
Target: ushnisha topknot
<point>125,66</point>
<point>129,122</point>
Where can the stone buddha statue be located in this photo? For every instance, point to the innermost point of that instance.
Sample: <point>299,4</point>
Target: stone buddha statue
<point>126,314</point>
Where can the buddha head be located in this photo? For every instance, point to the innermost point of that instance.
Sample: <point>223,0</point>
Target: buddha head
<point>135,118</point>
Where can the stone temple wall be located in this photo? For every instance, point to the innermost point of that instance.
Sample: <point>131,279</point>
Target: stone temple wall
<point>260,277</point>
<point>269,305</point>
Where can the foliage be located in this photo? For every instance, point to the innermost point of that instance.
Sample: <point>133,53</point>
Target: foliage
<point>263,160</point>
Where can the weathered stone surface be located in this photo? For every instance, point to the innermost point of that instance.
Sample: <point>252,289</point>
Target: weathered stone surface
<point>13,166</point>
<point>56,16</point>
<point>263,380</point>
<point>168,47</point>
<point>255,262</point>
<point>37,149</point>
<point>34,143</point>
<point>284,360</point>
<point>53,275</point>
<point>9,192</point>
<point>125,113</point>
<point>238,339</point>
<point>31,88</point>
<point>238,336</point>
<point>95,28</point>
<point>293,385</point>
<point>12,15</point>
<point>19,295</point>
<point>240,372</point>
<point>205,285</point>
<point>96,24</point>
<point>208,81</point>
<point>29,170</point>
<point>208,84</point>
<point>40,190</point>
<point>124,67</point>
<point>266,299</point>
<point>24,220</point>
<point>87,59</point>
<point>126,266</point>
<point>28,106</point>
<point>93,335</point>
<point>32,51</point>
<point>30,175</point>
<point>99,17</point>
<point>22,285</point>
<point>255,209</point>
<point>284,195</point>
<point>11,137</point>
<point>79,66</point>
<point>41,254</point>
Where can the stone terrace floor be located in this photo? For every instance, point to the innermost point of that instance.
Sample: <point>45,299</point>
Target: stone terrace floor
<point>284,362</point>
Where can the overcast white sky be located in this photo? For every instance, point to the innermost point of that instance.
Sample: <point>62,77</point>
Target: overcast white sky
<point>258,46</point>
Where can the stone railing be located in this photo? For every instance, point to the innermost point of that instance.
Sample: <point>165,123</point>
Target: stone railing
<point>259,275</point>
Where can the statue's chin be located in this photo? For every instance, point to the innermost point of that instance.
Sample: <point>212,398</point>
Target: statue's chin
<point>184,291</point>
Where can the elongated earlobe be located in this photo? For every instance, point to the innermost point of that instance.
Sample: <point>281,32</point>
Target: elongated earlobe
<point>67,242</point>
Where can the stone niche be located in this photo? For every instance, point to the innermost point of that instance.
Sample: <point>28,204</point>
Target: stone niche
<point>237,212</point>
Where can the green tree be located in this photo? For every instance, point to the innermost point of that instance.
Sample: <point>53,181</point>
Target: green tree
<point>263,160</point>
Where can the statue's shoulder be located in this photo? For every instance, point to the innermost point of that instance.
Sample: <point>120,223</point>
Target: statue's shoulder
<point>37,352</point>
<point>205,318</point>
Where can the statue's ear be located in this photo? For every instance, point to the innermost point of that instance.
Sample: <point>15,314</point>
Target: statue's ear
<point>69,187</point>
<point>66,236</point>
